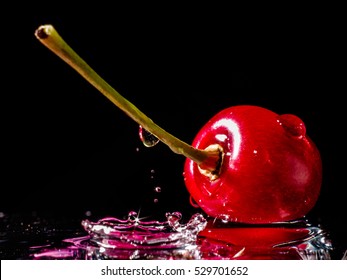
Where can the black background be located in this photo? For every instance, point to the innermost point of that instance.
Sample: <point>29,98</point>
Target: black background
<point>67,150</point>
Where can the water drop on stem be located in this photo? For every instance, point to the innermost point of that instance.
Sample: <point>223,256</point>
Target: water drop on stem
<point>147,138</point>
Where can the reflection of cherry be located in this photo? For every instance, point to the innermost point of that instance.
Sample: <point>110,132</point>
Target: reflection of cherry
<point>238,241</point>
<point>211,248</point>
<point>254,236</point>
<point>247,164</point>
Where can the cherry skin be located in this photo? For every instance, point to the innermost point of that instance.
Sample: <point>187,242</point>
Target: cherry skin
<point>271,170</point>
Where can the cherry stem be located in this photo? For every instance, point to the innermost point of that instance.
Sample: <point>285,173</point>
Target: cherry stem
<point>49,37</point>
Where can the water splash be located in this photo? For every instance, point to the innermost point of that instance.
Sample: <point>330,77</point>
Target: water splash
<point>140,234</point>
<point>133,238</point>
<point>147,138</point>
<point>199,238</point>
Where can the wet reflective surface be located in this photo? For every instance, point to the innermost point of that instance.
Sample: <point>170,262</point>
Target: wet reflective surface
<point>134,237</point>
<point>297,240</point>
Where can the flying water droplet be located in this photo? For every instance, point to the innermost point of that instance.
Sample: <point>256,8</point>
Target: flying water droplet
<point>147,138</point>
<point>152,173</point>
<point>88,213</point>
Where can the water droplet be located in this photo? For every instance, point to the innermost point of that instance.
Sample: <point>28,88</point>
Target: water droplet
<point>173,219</point>
<point>224,218</point>
<point>157,189</point>
<point>174,216</point>
<point>147,138</point>
<point>156,200</point>
<point>152,173</point>
<point>88,213</point>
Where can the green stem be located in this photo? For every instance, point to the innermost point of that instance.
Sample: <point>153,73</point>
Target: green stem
<point>49,37</point>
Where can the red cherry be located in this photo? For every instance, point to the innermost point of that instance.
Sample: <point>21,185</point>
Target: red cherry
<point>271,170</point>
<point>247,164</point>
